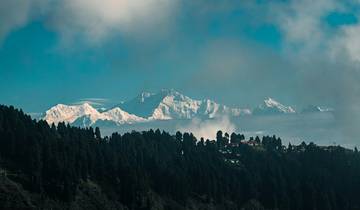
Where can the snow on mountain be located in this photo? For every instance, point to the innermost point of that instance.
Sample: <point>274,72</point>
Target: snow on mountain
<point>121,117</point>
<point>83,121</point>
<point>211,109</point>
<point>170,104</point>
<point>271,106</point>
<point>175,106</point>
<point>164,105</point>
<point>68,114</point>
<point>86,115</point>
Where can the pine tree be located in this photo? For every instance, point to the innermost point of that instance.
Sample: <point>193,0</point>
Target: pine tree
<point>97,133</point>
<point>219,138</point>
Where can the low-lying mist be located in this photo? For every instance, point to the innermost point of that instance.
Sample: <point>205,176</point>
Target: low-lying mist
<point>208,128</point>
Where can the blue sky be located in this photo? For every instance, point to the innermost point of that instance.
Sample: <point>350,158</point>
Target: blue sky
<point>300,52</point>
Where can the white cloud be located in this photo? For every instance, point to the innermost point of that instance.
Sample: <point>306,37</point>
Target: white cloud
<point>93,19</point>
<point>347,43</point>
<point>301,22</point>
<point>98,102</point>
<point>306,32</point>
<point>99,19</point>
<point>208,128</point>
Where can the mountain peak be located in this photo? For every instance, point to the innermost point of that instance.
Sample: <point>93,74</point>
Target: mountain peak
<point>86,113</point>
<point>271,106</point>
<point>86,104</point>
<point>68,113</point>
<point>270,102</point>
<point>88,107</point>
<point>171,104</point>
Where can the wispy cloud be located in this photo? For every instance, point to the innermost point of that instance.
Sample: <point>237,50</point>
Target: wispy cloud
<point>302,22</point>
<point>307,33</point>
<point>98,102</point>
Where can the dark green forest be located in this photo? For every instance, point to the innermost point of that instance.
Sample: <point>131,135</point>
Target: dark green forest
<point>64,167</point>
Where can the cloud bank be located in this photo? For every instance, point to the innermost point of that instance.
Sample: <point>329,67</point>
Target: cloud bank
<point>326,57</point>
<point>317,61</point>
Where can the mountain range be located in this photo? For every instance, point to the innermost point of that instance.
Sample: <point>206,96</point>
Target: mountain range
<point>163,105</point>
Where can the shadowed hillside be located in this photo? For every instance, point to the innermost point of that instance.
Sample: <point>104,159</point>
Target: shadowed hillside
<point>64,167</point>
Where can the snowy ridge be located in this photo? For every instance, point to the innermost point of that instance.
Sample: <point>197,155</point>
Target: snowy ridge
<point>271,106</point>
<point>170,104</point>
<point>68,114</point>
<point>175,106</point>
<point>164,105</point>
<point>212,109</point>
<point>85,114</point>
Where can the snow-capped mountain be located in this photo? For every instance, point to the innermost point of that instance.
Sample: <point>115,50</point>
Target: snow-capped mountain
<point>172,111</point>
<point>271,106</point>
<point>87,115</point>
<point>170,104</point>
<point>164,105</point>
<point>211,109</point>
<point>68,114</point>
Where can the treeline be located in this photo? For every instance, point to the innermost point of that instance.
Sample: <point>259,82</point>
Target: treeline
<point>157,170</point>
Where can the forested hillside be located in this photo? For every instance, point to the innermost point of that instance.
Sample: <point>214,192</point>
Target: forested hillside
<point>64,167</point>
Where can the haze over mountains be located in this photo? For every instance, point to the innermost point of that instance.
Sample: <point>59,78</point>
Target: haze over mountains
<point>163,105</point>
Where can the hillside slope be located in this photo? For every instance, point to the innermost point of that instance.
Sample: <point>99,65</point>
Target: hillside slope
<point>66,167</point>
